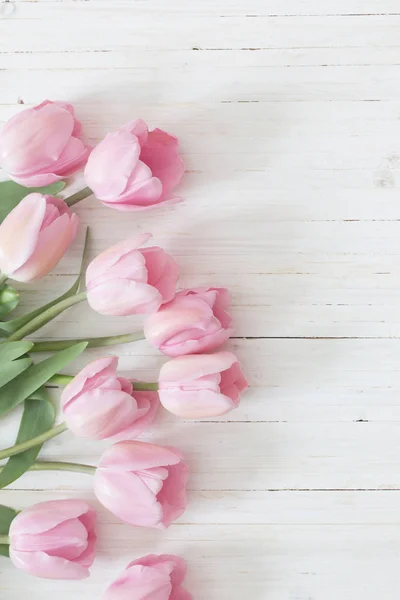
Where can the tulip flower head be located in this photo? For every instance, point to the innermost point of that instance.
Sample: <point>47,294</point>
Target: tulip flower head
<point>134,169</point>
<point>194,321</point>
<point>41,145</point>
<point>201,385</point>
<point>54,540</point>
<point>151,577</point>
<point>127,279</point>
<point>34,237</point>
<point>99,405</point>
<point>142,484</point>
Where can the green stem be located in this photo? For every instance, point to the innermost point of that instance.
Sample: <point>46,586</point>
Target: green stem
<point>140,386</point>
<point>63,466</point>
<point>55,345</point>
<point>39,439</point>
<point>45,317</point>
<point>81,195</point>
<point>4,539</point>
<point>144,386</point>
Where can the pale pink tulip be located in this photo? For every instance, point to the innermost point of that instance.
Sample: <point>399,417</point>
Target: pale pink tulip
<point>34,237</point>
<point>194,321</point>
<point>98,404</point>
<point>41,145</point>
<point>151,577</point>
<point>201,385</point>
<point>55,539</point>
<point>134,169</point>
<point>127,279</point>
<point>142,484</point>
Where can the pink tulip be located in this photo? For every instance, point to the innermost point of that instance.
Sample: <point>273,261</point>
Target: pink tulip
<point>99,405</point>
<point>127,279</point>
<point>194,321</point>
<point>34,237</point>
<point>41,145</point>
<point>201,385</point>
<point>151,578</point>
<point>54,540</point>
<point>132,169</point>
<point>142,484</point>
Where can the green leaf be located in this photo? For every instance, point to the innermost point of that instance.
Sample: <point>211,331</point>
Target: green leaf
<point>38,417</point>
<point>7,514</point>
<point>13,369</point>
<point>23,386</point>
<point>8,327</point>
<point>11,194</point>
<point>9,367</point>
<point>9,298</point>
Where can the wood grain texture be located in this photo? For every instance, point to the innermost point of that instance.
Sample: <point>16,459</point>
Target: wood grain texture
<point>288,116</point>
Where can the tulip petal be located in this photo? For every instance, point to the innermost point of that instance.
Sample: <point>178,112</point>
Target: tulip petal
<point>108,258</point>
<point>161,154</point>
<point>163,271</point>
<point>172,496</point>
<point>138,128</point>
<point>148,404</point>
<point>138,456</point>
<point>73,157</point>
<point>42,565</point>
<point>191,367</point>
<point>46,515</point>
<point>126,496</point>
<point>19,232</point>
<point>124,297</point>
<point>58,236</point>
<point>88,377</point>
<point>140,582</point>
<point>111,163</point>
<point>66,540</point>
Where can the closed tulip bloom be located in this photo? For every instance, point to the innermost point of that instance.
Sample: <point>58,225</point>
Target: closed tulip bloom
<point>201,385</point>
<point>54,540</point>
<point>151,577</point>
<point>194,321</point>
<point>34,236</point>
<point>142,484</point>
<point>41,145</point>
<point>128,280</point>
<point>98,404</point>
<point>134,169</point>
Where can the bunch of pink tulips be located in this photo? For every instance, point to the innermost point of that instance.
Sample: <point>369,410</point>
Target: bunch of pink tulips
<point>142,484</point>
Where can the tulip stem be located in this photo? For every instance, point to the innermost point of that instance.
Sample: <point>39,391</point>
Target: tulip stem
<point>45,317</point>
<point>97,342</point>
<point>4,539</point>
<point>63,466</point>
<point>39,439</point>
<point>81,195</point>
<point>140,386</point>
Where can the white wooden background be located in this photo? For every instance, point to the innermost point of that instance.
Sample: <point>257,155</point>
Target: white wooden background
<point>289,117</point>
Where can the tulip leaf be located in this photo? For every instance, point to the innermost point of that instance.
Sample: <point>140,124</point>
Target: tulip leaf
<point>23,386</point>
<point>7,514</point>
<point>38,417</point>
<point>9,371</point>
<point>11,350</point>
<point>9,367</point>
<point>9,327</point>
<point>9,298</point>
<point>12,193</point>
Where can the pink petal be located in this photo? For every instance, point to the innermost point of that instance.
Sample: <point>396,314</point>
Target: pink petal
<point>127,497</point>
<point>188,368</point>
<point>108,258</point>
<point>163,271</point>
<point>172,496</point>
<point>58,237</point>
<point>124,297</point>
<point>161,154</point>
<point>148,405</point>
<point>41,565</point>
<point>19,232</point>
<point>46,515</point>
<point>72,158</point>
<point>138,128</point>
<point>111,163</point>
<point>139,582</point>
<point>88,377</point>
<point>31,144</point>
<point>39,180</point>
<point>66,540</point>
<point>196,404</point>
<point>138,456</point>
